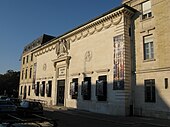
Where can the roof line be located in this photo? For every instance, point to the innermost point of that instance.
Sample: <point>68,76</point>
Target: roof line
<point>104,14</point>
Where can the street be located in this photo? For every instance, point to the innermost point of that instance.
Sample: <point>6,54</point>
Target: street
<point>78,118</point>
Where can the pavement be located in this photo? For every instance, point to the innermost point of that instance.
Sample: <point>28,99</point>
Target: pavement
<point>128,120</point>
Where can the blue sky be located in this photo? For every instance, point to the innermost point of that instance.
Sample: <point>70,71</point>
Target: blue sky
<point>22,21</point>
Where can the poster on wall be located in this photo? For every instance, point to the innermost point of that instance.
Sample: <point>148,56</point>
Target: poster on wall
<point>118,60</point>
<point>85,88</point>
<point>72,88</point>
<point>99,88</point>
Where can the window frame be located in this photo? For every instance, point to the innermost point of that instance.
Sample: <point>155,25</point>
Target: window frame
<point>23,61</point>
<point>74,91</point>
<point>150,91</point>
<point>29,90</point>
<point>148,47</point>
<point>86,88</point>
<point>26,71</point>
<point>27,59</point>
<point>103,80</point>
<point>37,89</point>
<point>42,89</point>
<point>21,90</point>
<point>146,10</point>
<point>22,74</point>
<point>49,88</point>
<point>31,56</point>
<point>30,76</point>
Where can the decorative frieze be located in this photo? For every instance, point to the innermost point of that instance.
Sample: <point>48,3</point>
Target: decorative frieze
<point>97,25</point>
<point>45,50</point>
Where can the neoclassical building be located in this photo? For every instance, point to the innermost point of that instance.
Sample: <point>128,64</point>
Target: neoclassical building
<point>114,64</point>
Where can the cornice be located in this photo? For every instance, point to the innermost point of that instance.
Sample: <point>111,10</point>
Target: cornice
<point>104,22</point>
<point>152,70</point>
<point>98,25</point>
<point>44,49</point>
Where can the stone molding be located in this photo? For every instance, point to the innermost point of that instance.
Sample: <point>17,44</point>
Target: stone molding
<point>98,25</point>
<point>44,50</point>
<point>152,70</point>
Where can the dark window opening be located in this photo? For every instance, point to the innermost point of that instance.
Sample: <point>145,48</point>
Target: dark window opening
<point>32,57</point>
<point>30,72</point>
<point>37,86</point>
<point>27,58</point>
<point>166,83</point>
<point>21,91</point>
<point>29,88</point>
<point>101,88</point>
<point>86,88</point>
<point>42,89</point>
<point>26,74</point>
<point>74,88</point>
<point>49,88</point>
<point>150,90</point>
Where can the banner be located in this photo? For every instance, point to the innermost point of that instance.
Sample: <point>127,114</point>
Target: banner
<point>118,67</point>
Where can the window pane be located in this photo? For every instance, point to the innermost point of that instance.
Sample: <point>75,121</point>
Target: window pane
<point>146,7</point>
<point>150,90</point>
<point>148,47</point>
<point>152,50</point>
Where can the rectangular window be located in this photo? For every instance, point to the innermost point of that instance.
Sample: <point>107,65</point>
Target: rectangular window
<point>30,72</point>
<point>101,88</point>
<point>23,62</point>
<point>27,58</point>
<point>42,89</point>
<point>86,88</point>
<point>148,47</point>
<point>22,75</point>
<point>150,90</point>
<point>37,86</point>
<point>21,90</point>
<point>146,10</point>
<point>29,88</point>
<point>49,88</point>
<point>74,88</point>
<point>32,57</point>
<point>26,74</point>
<point>166,83</point>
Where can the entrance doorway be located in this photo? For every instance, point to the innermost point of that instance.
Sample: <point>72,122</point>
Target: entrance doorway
<point>60,92</point>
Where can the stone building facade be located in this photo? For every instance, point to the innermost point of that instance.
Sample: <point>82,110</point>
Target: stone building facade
<point>152,70</point>
<point>114,64</point>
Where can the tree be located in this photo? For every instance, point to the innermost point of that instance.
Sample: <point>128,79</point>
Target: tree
<point>9,83</point>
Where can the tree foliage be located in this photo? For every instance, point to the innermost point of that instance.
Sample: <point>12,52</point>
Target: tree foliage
<point>9,83</point>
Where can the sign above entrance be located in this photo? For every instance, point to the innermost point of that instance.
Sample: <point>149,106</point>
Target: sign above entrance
<point>62,71</point>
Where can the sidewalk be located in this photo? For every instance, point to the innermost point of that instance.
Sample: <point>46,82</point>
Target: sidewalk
<point>129,120</point>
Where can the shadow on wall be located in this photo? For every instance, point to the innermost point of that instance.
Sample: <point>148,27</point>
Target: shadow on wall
<point>102,97</point>
<point>147,101</point>
<point>150,101</point>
